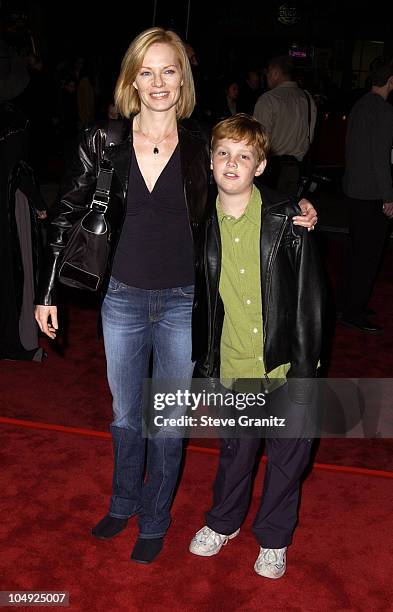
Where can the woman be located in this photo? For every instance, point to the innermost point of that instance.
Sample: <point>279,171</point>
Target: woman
<point>159,193</point>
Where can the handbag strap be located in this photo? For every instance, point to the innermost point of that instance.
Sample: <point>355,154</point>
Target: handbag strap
<point>100,201</point>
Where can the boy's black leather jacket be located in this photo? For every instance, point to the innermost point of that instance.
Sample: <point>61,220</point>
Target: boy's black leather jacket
<point>292,295</point>
<point>79,184</point>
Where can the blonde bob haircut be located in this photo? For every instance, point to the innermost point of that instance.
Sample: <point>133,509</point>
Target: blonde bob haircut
<point>242,127</point>
<point>126,96</point>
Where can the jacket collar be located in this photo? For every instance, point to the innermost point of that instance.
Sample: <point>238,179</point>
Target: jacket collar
<point>271,197</point>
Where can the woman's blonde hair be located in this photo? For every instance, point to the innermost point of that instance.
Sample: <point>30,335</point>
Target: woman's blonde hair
<point>242,127</point>
<point>126,97</point>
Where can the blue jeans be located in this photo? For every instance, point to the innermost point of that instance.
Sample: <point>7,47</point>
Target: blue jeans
<point>136,324</point>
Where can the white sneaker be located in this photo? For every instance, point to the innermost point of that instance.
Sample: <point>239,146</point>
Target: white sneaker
<point>207,542</point>
<point>271,562</point>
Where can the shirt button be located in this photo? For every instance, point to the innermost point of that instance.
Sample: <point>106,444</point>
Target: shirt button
<point>259,358</point>
<point>237,239</point>
<point>228,218</point>
<point>255,330</point>
<point>242,270</point>
<point>248,301</point>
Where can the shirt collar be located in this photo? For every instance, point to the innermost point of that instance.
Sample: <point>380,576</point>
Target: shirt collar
<point>252,211</point>
<point>287,84</point>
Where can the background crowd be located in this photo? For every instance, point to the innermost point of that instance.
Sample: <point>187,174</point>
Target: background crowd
<point>48,105</point>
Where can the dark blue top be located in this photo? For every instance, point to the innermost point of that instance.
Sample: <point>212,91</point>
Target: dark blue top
<point>155,249</point>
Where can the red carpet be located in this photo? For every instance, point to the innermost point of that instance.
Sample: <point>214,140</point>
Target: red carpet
<point>56,485</point>
<point>70,389</point>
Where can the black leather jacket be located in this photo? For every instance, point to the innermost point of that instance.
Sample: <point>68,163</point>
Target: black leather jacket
<point>292,294</point>
<point>79,184</point>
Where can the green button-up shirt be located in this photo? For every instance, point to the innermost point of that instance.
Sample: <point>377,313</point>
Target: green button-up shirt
<point>240,291</point>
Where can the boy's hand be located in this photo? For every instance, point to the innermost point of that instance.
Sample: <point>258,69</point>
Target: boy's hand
<point>309,215</point>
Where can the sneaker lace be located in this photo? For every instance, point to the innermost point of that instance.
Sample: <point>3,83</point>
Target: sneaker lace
<point>208,536</point>
<point>272,556</point>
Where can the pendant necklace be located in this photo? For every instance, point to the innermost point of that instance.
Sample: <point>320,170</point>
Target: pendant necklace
<point>156,150</point>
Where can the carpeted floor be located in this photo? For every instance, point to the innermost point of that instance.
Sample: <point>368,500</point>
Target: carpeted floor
<point>69,388</point>
<point>55,486</point>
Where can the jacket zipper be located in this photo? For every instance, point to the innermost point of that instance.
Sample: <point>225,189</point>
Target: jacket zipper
<point>114,244</point>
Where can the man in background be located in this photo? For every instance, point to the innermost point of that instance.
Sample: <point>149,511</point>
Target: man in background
<point>288,114</point>
<point>368,183</point>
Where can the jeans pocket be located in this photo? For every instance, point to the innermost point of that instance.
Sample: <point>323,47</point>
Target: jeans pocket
<point>115,285</point>
<point>187,292</point>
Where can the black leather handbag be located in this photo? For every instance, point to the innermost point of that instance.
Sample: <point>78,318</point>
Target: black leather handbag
<point>84,259</point>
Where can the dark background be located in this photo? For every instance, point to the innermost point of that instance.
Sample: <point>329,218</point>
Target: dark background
<point>226,34</point>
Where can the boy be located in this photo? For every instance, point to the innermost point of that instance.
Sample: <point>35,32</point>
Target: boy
<point>257,316</point>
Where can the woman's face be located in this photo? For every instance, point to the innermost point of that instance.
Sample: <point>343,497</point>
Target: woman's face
<point>159,79</point>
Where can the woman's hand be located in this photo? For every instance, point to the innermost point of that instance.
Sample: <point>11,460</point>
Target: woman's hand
<point>309,216</point>
<point>46,317</point>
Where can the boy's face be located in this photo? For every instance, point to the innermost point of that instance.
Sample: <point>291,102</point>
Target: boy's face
<point>234,165</point>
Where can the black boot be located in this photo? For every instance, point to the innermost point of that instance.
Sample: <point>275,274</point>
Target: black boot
<point>146,550</point>
<point>108,527</point>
